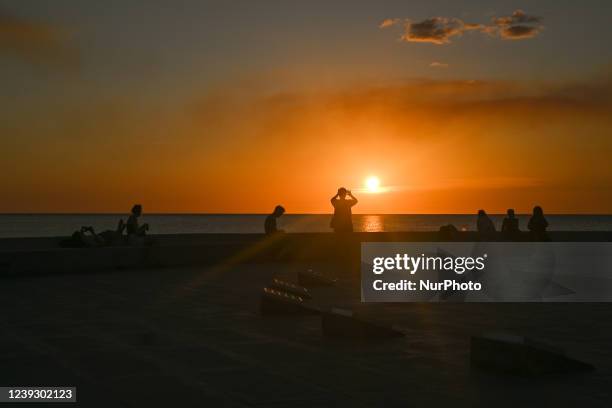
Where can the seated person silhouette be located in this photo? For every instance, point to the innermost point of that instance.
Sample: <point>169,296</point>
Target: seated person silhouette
<point>133,229</point>
<point>270,223</point>
<point>537,225</point>
<point>510,226</point>
<point>342,220</point>
<point>111,237</point>
<point>86,237</point>
<point>484,225</point>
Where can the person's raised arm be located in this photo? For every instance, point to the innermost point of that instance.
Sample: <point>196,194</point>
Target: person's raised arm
<point>353,199</point>
<point>333,199</point>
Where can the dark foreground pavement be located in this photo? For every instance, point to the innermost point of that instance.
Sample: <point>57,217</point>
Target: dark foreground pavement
<point>194,337</point>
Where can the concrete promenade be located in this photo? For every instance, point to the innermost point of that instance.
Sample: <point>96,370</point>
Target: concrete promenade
<point>194,337</point>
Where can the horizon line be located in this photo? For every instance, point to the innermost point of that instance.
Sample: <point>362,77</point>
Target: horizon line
<point>287,213</point>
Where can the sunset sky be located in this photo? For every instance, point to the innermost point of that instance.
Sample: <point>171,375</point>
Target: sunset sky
<point>219,106</point>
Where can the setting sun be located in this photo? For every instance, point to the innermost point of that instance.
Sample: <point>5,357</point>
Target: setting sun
<point>372,184</point>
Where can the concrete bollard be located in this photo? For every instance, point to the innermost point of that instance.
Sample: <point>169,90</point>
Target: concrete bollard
<point>289,287</point>
<point>311,278</point>
<point>277,302</point>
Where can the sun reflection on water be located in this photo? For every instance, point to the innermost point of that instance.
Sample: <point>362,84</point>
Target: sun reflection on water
<point>371,223</point>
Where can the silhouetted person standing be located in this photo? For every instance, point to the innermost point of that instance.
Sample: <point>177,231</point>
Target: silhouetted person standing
<point>270,223</point>
<point>342,221</point>
<point>484,225</point>
<point>537,225</point>
<point>510,226</point>
<point>132,226</point>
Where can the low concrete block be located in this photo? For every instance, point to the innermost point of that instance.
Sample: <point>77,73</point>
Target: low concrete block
<point>284,286</point>
<point>314,279</point>
<point>521,355</point>
<point>342,323</point>
<point>277,302</point>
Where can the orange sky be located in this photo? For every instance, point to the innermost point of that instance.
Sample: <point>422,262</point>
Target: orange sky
<point>441,147</point>
<point>454,106</point>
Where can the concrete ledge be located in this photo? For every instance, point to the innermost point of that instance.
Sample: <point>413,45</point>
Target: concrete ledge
<point>39,243</point>
<point>28,256</point>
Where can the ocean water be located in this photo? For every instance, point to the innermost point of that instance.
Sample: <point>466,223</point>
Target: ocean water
<point>40,225</point>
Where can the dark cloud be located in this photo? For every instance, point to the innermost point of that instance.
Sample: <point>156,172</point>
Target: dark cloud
<point>35,42</point>
<point>440,30</point>
<point>518,26</point>
<point>517,17</point>
<point>436,30</point>
<point>518,32</point>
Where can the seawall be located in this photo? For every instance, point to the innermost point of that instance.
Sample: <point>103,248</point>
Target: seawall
<point>31,256</point>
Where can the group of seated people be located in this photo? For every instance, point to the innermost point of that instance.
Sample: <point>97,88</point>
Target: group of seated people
<point>341,222</point>
<point>537,225</point>
<point>134,233</point>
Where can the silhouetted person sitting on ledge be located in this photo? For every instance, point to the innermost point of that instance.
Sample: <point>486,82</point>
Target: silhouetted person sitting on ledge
<point>111,237</point>
<point>270,223</point>
<point>133,229</point>
<point>510,226</point>
<point>484,225</point>
<point>342,220</point>
<point>537,225</point>
<point>86,237</point>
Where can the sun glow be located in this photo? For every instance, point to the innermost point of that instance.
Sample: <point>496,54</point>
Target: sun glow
<point>372,184</point>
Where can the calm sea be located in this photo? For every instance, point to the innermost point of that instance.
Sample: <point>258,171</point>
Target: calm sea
<point>39,225</point>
